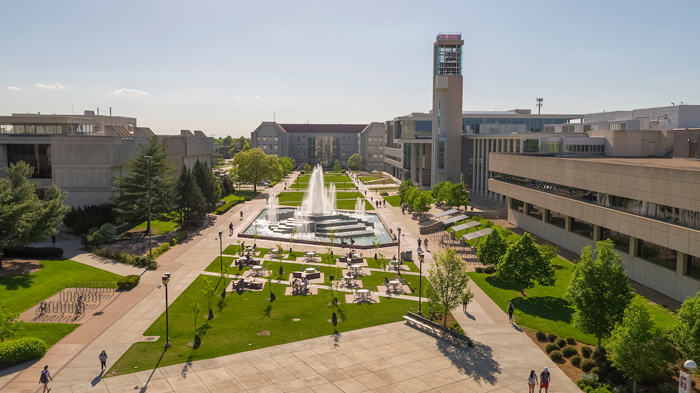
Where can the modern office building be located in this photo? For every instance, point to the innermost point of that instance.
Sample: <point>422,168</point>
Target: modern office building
<point>81,154</point>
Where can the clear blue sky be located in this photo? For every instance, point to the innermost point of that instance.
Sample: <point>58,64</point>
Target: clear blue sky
<point>223,67</point>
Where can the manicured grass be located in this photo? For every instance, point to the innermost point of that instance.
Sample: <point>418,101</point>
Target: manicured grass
<point>368,178</point>
<point>393,200</point>
<point>377,278</point>
<point>302,185</point>
<point>18,293</point>
<point>233,249</point>
<point>158,227</point>
<point>239,317</point>
<point>348,195</point>
<point>290,197</point>
<point>349,204</point>
<point>544,308</point>
<point>240,194</point>
<point>50,333</point>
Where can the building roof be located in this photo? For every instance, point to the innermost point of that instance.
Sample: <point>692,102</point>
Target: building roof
<point>323,128</point>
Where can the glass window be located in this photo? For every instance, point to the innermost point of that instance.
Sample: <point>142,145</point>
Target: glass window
<point>568,129</point>
<point>622,241</point>
<point>38,156</point>
<point>693,267</point>
<point>590,127</point>
<point>617,126</point>
<point>441,155</point>
<point>264,146</point>
<point>41,128</point>
<point>30,129</point>
<point>517,205</point>
<point>582,228</point>
<point>659,255</point>
<point>556,219</point>
<point>534,211</point>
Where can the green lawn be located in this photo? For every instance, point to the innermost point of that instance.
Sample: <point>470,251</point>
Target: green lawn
<point>393,200</point>
<point>234,248</point>
<point>544,308</point>
<point>377,278</point>
<point>50,333</point>
<point>158,227</point>
<point>349,204</point>
<point>302,185</point>
<point>240,194</point>
<point>368,178</point>
<point>239,317</point>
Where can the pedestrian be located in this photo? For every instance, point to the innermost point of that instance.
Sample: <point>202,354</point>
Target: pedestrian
<point>53,241</point>
<point>465,302</point>
<point>544,380</point>
<point>241,215</point>
<point>532,381</point>
<point>103,359</point>
<point>45,378</point>
<point>425,242</point>
<point>511,310</point>
<point>384,203</point>
<point>230,229</point>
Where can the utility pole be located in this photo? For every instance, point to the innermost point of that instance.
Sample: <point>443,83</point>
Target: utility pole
<point>539,104</point>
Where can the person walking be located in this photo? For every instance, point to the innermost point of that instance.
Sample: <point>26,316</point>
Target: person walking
<point>544,380</point>
<point>419,242</point>
<point>230,229</point>
<point>532,381</point>
<point>53,241</point>
<point>241,215</point>
<point>45,378</point>
<point>511,310</point>
<point>103,359</point>
<point>426,243</point>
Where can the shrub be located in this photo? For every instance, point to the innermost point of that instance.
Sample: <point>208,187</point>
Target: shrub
<point>571,341</point>
<point>128,282</point>
<point>21,350</point>
<point>172,242</point>
<point>80,220</point>
<point>479,269</point>
<point>569,351</point>
<point>384,193</point>
<point>602,375</point>
<point>33,252</point>
<point>575,360</point>
<point>551,337</point>
<point>488,270</point>
<point>160,250</point>
<point>127,258</point>
<point>455,326</point>
<point>589,379</point>
<point>223,209</point>
<point>616,378</point>
<point>587,365</point>
<point>181,236</point>
<point>599,355</point>
<point>560,342</point>
<point>556,356</point>
<point>551,347</point>
<point>586,352</point>
<point>542,336</point>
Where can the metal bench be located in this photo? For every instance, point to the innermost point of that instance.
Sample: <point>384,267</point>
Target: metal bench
<point>450,334</point>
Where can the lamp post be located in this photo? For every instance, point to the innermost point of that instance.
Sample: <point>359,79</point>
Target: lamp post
<point>398,229</point>
<point>690,365</point>
<point>150,246</point>
<point>221,260</point>
<point>166,280</point>
<point>420,282</point>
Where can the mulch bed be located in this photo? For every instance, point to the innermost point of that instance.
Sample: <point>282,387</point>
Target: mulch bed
<point>17,267</point>
<point>571,371</point>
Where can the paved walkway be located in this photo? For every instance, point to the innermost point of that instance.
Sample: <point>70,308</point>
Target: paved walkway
<point>388,358</point>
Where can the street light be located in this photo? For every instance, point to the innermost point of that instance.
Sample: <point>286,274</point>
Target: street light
<point>166,280</point>
<point>398,229</point>
<point>150,246</point>
<point>221,259</point>
<point>420,282</point>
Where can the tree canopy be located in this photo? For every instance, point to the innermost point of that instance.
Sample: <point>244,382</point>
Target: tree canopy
<point>422,201</point>
<point>491,251</point>
<point>524,264</point>
<point>208,185</point>
<point>355,162</point>
<point>456,195</point>
<point>254,166</point>
<point>686,334</point>
<point>337,167</point>
<point>189,198</point>
<point>404,188</point>
<point>448,281</point>
<point>307,167</point>
<point>24,217</point>
<point>437,192</point>
<point>287,165</point>
<point>134,186</point>
<point>600,290</point>
<point>636,347</point>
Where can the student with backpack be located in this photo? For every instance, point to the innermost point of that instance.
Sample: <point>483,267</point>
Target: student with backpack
<point>45,378</point>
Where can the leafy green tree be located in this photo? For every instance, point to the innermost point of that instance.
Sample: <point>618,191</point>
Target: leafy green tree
<point>24,217</point>
<point>355,162</point>
<point>404,187</point>
<point>9,324</point>
<point>254,166</point>
<point>448,281</point>
<point>636,347</point>
<point>287,165</point>
<point>686,334</point>
<point>437,191</point>
<point>134,187</point>
<point>411,195</point>
<point>524,264</point>
<point>422,201</point>
<point>337,167</point>
<point>195,312</point>
<point>189,199</point>
<point>208,185</point>
<point>456,195</point>
<point>491,251</point>
<point>208,292</point>
<point>600,290</point>
<point>307,168</point>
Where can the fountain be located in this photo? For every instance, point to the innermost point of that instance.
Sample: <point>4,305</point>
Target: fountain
<point>318,218</point>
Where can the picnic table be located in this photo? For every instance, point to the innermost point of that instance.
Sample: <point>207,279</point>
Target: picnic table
<point>256,269</point>
<point>363,293</point>
<point>395,284</point>
<point>347,279</point>
<point>310,270</point>
<point>354,268</point>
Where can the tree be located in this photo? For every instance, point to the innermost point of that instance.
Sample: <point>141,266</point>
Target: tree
<point>209,291</point>
<point>411,195</point>
<point>355,162</point>
<point>208,185</point>
<point>189,199</point>
<point>437,191</point>
<point>307,168</point>
<point>287,165</point>
<point>404,187</point>
<point>600,290</point>
<point>491,252</point>
<point>226,186</point>
<point>686,334</point>
<point>195,313</point>
<point>255,166</point>
<point>9,324</point>
<point>524,264</point>
<point>24,217</point>
<point>421,202</point>
<point>456,195</point>
<point>134,187</point>
<point>448,279</point>
<point>337,167</point>
<point>636,347</point>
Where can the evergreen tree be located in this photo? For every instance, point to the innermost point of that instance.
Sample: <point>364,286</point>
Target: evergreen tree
<point>491,252</point>
<point>208,185</point>
<point>24,217</point>
<point>189,199</point>
<point>134,187</point>
<point>524,264</point>
<point>600,290</point>
<point>448,281</point>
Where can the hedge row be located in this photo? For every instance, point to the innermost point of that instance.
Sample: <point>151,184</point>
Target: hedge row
<point>223,209</point>
<point>21,350</point>
<point>128,282</point>
<point>33,252</point>
<point>127,258</point>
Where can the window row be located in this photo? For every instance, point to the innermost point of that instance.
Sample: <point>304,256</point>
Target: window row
<point>585,148</point>
<point>46,129</point>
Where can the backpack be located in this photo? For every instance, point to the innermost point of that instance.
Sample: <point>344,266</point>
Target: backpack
<point>43,378</point>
